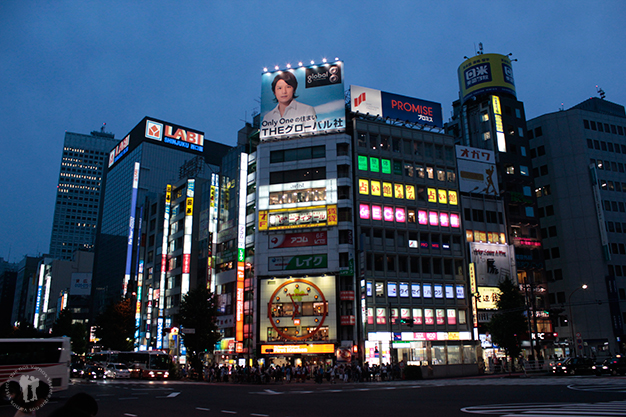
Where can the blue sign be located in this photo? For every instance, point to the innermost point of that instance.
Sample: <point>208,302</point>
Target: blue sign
<point>411,109</point>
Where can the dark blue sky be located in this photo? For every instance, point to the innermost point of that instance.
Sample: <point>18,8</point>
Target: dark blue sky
<point>72,65</point>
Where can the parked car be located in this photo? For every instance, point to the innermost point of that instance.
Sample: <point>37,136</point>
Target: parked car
<point>117,370</point>
<point>573,366</point>
<point>94,372</point>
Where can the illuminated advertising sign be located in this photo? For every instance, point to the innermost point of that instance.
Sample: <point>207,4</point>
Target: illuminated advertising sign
<point>298,194</point>
<point>241,244</point>
<point>131,226</point>
<point>397,107</point>
<point>293,349</point>
<point>486,74</point>
<point>477,170</point>
<point>298,310</point>
<point>289,263</point>
<point>81,283</point>
<point>303,101</point>
<point>163,133</point>
<point>493,262</point>
<point>295,240</point>
<point>187,236</point>
<point>487,298</point>
<point>298,218</point>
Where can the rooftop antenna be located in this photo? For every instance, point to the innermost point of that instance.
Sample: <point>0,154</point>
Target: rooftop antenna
<point>562,107</point>
<point>480,48</point>
<point>601,92</point>
<point>103,126</point>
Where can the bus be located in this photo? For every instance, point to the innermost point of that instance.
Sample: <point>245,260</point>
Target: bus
<point>47,360</point>
<point>149,364</point>
<point>102,357</point>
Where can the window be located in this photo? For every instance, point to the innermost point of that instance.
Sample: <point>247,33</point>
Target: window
<point>523,170</point>
<point>510,169</point>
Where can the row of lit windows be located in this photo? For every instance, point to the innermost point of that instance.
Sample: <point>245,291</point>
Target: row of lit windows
<point>408,192</point>
<point>485,237</point>
<point>414,290</point>
<point>406,146</point>
<point>376,165</point>
<point>404,215</point>
<point>84,177</point>
<point>430,316</point>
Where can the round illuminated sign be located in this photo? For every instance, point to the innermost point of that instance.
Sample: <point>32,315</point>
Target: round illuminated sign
<point>285,309</point>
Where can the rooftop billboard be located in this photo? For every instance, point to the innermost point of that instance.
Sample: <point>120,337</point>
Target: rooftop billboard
<point>477,170</point>
<point>163,133</point>
<point>486,74</point>
<point>319,108</point>
<point>380,103</point>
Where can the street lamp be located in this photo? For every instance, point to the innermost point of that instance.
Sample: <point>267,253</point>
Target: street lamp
<point>571,321</point>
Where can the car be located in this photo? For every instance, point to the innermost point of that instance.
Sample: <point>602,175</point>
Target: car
<point>617,365</point>
<point>94,372</point>
<point>573,366</point>
<point>77,370</point>
<point>601,368</point>
<point>117,370</point>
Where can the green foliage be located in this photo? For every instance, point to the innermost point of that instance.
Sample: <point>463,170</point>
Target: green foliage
<point>509,324</point>
<point>116,326</point>
<point>77,331</point>
<point>198,312</point>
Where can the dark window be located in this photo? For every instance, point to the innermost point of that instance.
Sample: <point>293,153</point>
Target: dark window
<point>600,127</point>
<point>550,210</point>
<point>596,144</point>
<point>297,175</point>
<point>541,150</point>
<point>586,123</point>
<point>593,125</point>
<point>603,145</point>
<point>538,132</point>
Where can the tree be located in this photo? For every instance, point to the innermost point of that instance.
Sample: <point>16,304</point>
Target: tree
<point>198,312</point>
<point>77,332</point>
<point>509,323</point>
<point>116,326</point>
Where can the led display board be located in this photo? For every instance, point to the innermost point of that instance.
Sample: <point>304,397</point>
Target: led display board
<point>298,218</point>
<point>303,101</point>
<point>380,103</point>
<point>486,74</point>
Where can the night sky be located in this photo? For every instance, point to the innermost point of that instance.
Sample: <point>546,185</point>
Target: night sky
<point>74,65</point>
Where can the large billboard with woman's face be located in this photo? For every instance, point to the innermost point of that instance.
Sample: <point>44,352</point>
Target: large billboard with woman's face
<point>303,101</point>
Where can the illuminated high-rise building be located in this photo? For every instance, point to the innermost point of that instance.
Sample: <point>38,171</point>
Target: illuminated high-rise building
<point>79,192</point>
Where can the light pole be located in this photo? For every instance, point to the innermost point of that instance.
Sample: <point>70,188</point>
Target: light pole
<point>571,321</point>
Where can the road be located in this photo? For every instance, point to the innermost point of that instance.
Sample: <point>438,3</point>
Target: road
<point>544,396</point>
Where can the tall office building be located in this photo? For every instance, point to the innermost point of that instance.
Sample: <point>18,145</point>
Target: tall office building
<point>580,182</point>
<point>79,192</point>
<point>138,170</point>
<point>501,210</point>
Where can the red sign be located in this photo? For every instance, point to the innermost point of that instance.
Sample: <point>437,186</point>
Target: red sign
<point>294,240</point>
<point>347,320</point>
<point>346,295</point>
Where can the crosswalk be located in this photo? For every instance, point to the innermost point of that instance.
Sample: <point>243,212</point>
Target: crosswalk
<point>603,409</point>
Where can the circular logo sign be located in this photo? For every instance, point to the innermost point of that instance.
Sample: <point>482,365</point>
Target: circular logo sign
<point>297,310</point>
<point>29,388</point>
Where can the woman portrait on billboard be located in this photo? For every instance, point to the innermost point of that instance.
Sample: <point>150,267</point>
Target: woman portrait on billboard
<point>289,116</point>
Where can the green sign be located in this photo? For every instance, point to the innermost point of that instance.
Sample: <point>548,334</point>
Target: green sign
<point>374,164</point>
<point>363,163</point>
<point>386,166</point>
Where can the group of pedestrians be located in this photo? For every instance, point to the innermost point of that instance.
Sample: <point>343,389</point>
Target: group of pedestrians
<point>290,373</point>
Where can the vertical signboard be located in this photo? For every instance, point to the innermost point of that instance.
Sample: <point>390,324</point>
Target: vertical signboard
<point>497,116</point>
<point>184,286</point>
<point>303,101</point>
<point>131,226</point>
<point>241,246</point>
<point>164,246</point>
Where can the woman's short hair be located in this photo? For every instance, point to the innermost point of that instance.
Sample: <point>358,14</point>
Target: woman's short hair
<point>289,78</point>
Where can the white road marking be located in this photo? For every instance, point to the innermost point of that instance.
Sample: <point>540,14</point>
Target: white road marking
<point>259,415</point>
<point>128,398</point>
<point>228,412</point>
<point>130,415</point>
<point>203,409</point>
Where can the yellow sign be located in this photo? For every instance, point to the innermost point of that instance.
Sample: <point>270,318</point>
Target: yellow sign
<point>375,185</point>
<point>399,190</point>
<point>332,215</point>
<point>410,192</point>
<point>364,187</point>
<point>189,209</point>
<point>442,196</point>
<point>387,189</point>
<point>489,297</point>
<point>432,195</point>
<point>472,274</point>
<point>291,349</point>
<point>453,198</point>
<point>263,223</point>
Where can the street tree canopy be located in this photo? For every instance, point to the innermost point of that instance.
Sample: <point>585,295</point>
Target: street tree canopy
<point>509,324</point>
<point>198,312</point>
<point>116,326</point>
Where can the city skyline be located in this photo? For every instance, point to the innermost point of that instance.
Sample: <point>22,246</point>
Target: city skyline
<point>72,67</point>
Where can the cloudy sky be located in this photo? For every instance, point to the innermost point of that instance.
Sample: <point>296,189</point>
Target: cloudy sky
<point>74,65</point>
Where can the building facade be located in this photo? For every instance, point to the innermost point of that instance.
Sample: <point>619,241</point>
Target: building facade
<point>79,192</point>
<point>580,185</point>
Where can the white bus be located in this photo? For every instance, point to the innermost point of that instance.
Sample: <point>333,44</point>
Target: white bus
<point>48,360</point>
